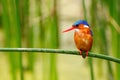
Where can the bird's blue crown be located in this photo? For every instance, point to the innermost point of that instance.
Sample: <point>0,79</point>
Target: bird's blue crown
<point>80,22</point>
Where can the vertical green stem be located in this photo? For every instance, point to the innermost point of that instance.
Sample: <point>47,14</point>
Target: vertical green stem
<point>91,68</point>
<point>6,24</point>
<point>18,33</point>
<point>84,8</point>
<point>90,59</point>
<point>13,33</point>
<point>52,30</point>
<point>115,36</point>
<point>30,45</point>
<point>118,50</point>
<point>54,40</point>
<point>30,31</point>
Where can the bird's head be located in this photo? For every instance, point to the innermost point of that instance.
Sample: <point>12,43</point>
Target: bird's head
<point>80,24</point>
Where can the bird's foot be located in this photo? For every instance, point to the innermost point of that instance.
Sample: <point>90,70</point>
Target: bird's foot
<point>87,52</point>
<point>84,54</point>
<point>80,52</point>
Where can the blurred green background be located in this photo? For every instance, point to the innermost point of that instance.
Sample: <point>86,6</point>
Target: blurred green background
<point>39,24</point>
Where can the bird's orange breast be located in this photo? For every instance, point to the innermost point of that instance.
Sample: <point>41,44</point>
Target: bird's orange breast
<point>83,39</point>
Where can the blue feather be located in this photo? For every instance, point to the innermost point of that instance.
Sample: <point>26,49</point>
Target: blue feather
<point>91,32</point>
<point>80,22</point>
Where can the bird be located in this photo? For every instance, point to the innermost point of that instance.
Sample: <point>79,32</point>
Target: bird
<point>83,36</point>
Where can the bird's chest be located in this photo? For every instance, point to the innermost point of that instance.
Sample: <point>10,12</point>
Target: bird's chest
<point>83,39</point>
<point>82,34</point>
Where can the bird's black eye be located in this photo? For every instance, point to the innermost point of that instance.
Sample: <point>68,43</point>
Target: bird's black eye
<point>76,25</point>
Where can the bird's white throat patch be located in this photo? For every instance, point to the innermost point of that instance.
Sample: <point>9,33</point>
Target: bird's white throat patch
<point>86,26</point>
<point>77,30</point>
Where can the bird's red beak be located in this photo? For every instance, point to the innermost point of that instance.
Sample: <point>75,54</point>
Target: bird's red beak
<point>69,29</point>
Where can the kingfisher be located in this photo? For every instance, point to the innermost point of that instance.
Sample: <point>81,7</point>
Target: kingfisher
<point>83,36</point>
